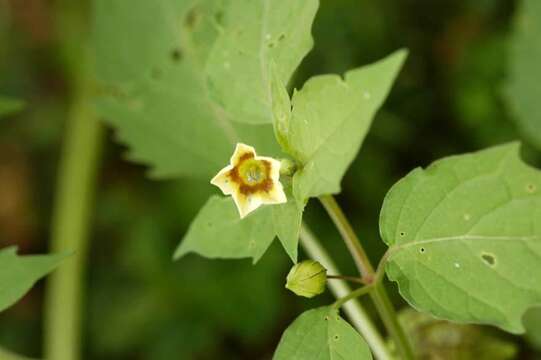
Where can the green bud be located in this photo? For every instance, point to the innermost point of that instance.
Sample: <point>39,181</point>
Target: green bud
<point>307,278</point>
<point>287,167</point>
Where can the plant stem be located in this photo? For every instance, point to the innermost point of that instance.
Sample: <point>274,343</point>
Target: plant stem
<point>72,208</point>
<point>347,278</point>
<point>377,292</point>
<point>355,248</point>
<point>356,313</point>
<point>352,295</point>
<point>388,316</point>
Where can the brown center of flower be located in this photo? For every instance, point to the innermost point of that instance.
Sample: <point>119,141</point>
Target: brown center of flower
<point>252,175</point>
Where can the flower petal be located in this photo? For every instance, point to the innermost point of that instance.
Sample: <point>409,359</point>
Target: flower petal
<point>246,203</point>
<point>223,181</point>
<point>275,167</point>
<point>240,151</point>
<point>276,195</point>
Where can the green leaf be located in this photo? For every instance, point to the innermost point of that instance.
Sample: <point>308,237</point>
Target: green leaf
<point>329,121</point>
<point>465,237</point>
<point>19,273</point>
<point>524,87</point>
<point>287,220</point>
<point>218,232</point>
<point>281,110</point>
<point>170,93</point>
<point>254,35</point>
<point>321,334</point>
<point>9,106</point>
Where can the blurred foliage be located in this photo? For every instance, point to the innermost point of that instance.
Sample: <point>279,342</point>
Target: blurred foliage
<point>532,323</point>
<point>434,339</point>
<point>140,304</point>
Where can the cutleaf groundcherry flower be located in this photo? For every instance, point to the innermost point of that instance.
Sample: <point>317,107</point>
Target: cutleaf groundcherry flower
<point>251,180</point>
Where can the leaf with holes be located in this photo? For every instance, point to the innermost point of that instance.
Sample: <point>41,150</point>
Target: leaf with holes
<point>523,88</point>
<point>183,81</point>
<point>218,232</point>
<point>329,120</point>
<point>19,273</point>
<point>465,237</point>
<point>321,334</point>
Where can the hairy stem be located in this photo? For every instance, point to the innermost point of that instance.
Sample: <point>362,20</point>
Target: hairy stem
<point>72,209</point>
<point>355,312</point>
<point>377,292</point>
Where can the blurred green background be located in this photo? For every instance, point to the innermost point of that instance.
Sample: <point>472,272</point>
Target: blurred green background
<point>141,305</point>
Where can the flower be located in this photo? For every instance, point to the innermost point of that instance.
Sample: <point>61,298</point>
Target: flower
<point>307,278</point>
<point>251,180</point>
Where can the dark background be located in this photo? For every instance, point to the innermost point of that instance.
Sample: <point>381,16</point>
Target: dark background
<point>141,305</point>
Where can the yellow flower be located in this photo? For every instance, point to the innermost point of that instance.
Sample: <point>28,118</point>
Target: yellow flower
<point>251,180</point>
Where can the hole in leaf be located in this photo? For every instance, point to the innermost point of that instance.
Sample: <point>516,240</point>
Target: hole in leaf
<point>402,233</point>
<point>326,318</point>
<point>336,337</point>
<point>176,54</point>
<point>489,259</point>
<point>422,250</point>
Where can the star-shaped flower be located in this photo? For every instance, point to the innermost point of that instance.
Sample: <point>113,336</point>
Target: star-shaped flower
<point>251,180</point>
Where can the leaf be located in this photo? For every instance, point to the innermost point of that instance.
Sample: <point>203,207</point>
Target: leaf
<point>281,110</point>
<point>524,85</point>
<point>19,273</point>
<point>321,334</point>
<point>9,106</point>
<point>218,232</point>
<point>169,92</point>
<point>330,118</point>
<point>287,219</point>
<point>465,237</point>
<point>254,35</point>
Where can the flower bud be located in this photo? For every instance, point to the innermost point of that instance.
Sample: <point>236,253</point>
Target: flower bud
<point>307,278</point>
<point>287,167</point>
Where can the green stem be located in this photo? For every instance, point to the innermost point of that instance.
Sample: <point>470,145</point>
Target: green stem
<point>388,316</point>
<point>347,278</point>
<point>355,312</point>
<point>72,208</point>
<point>354,245</point>
<point>352,295</point>
<point>377,293</point>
